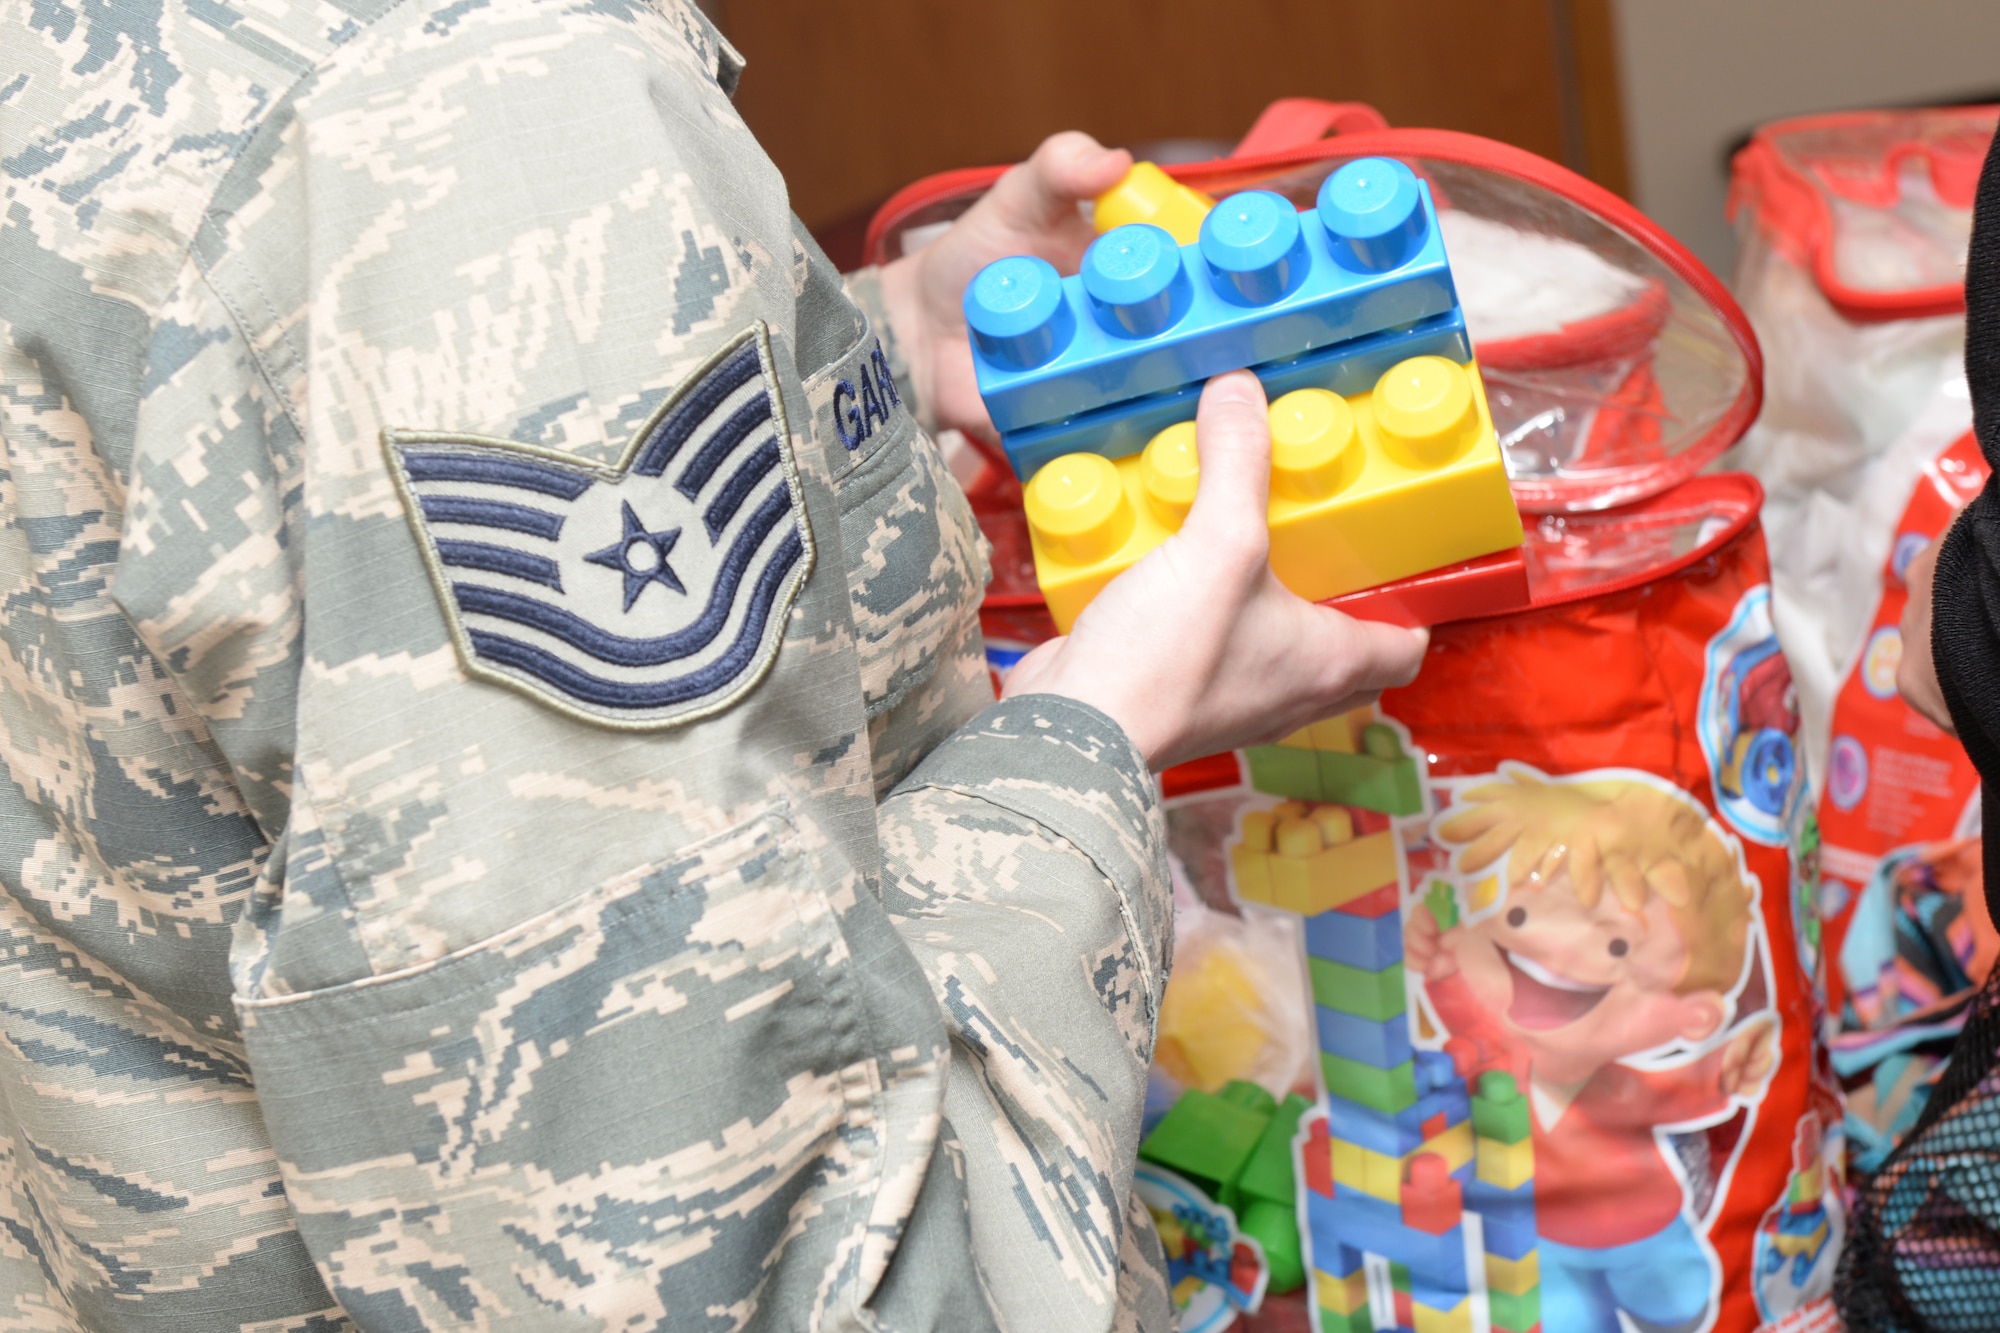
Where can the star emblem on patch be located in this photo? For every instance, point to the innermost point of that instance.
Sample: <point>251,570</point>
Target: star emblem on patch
<point>639,595</point>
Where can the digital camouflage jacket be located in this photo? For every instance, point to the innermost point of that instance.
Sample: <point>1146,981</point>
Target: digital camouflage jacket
<point>504,821</point>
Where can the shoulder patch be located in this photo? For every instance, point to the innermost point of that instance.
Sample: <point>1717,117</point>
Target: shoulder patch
<point>639,596</point>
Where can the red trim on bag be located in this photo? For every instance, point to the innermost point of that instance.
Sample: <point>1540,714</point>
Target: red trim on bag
<point>1206,774</point>
<point>1735,497</point>
<point>1292,122</point>
<point>1792,211</point>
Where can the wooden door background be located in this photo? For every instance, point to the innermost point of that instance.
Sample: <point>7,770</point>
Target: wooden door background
<point>855,98</point>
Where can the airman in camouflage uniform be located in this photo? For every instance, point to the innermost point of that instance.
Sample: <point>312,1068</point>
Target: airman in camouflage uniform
<point>342,989</point>
<point>408,921</point>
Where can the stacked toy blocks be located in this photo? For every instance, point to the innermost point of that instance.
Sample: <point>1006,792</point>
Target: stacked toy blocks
<point>1342,762</point>
<point>1236,1146</point>
<point>1802,1226</point>
<point>1386,467</point>
<point>1413,1142</point>
<point>1503,1194</point>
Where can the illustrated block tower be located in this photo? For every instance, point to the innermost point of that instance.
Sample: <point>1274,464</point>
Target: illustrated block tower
<point>1406,1163</point>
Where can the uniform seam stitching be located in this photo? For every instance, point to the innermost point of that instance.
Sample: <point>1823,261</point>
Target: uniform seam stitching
<point>208,216</point>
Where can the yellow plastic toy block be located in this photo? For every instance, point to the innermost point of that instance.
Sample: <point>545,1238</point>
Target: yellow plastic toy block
<point>1516,1277</point>
<point>1454,1145</point>
<point>1335,733</point>
<point>1789,1244</point>
<point>1147,194</point>
<point>1306,859</point>
<point>1458,1319</point>
<point>1364,490</point>
<point>1373,1173</point>
<point>1209,1030</point>
<point>1508,1165</point>
<point>1341,1295</point>
<point>1382,1176</point>
<point>1185,1289</point>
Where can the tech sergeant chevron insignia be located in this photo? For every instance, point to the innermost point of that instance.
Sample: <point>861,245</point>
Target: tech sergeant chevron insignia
<point>638,596</point>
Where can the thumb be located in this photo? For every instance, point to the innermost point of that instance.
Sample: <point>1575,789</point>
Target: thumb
<point>1232,433</point>
<point>1043,192</point>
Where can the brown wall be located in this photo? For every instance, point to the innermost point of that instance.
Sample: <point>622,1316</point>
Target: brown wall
<point>856,99</point>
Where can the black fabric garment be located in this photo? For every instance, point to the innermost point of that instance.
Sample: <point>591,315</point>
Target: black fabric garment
<point>1923,1244</point>
<point>1965,603</point>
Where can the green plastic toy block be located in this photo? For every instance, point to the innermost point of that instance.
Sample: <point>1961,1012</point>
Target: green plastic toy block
<point>1443,904</point>
<point>1376,995</point>
<point>1268,1174</point>
<point>1208,1137</point>
<point>1276,1228</point>
<point>1385,1090</point>
<point>1389,786</point>
<point>1499,1111</point>
<point>1359,1322</point>
<point>1280,770</point>
<point>1380,739</point>
<point>1515,1314</point>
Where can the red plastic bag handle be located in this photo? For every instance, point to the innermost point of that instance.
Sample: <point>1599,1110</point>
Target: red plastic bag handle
<point>1293,122</point>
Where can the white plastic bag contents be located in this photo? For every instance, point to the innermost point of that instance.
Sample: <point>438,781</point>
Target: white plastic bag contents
<point>1846,241</point>
<point>1513,283</point>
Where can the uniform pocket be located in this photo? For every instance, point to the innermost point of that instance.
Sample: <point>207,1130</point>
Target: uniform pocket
<point>620,1107</point>
<point>914,567</point>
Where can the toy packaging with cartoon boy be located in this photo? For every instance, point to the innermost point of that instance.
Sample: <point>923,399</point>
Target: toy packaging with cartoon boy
<point>1546,905</point>
<point>1852,237</point>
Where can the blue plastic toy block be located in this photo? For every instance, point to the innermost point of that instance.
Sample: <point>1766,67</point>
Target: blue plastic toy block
<point>1507,1216</point>
<point>1262,283</point>
<point>1364,1040</point>
<point>1337,1260</point>
<point>1346,368</point>
<point>1369,943</point>
<point>1436,1295</point>
<point>1393,1135</point>
<point>1436,1073</point>
<point>1354,1219</point>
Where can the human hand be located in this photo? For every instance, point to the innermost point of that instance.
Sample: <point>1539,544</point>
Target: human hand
<point>1426,949</point>
<point>1198,648</point>
<point>1032,210</point>
<point>1916,673</point>
<point>1749,1059</point>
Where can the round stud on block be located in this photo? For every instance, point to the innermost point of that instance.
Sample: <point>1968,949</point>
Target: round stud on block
<point>1425,410</point>
<point>1313,445</point>
<point>1255,247</point>
<point>1135,281</point>
<point>1170,470</point>
<point>1373,213</point>
<point>1335,824</point>
<point>1380,740</point>
<point>1429,1171</point>
<point>1017,314</point>
<point>1298,837</point>
<point>1147,194</point>
<point>1077,505</point>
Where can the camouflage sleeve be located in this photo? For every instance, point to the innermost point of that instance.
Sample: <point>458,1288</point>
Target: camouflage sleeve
<point>555,1015</point>
<point>1024,863</point>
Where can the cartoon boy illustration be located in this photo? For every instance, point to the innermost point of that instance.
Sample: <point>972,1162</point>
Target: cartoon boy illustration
<point>1625,927</point>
